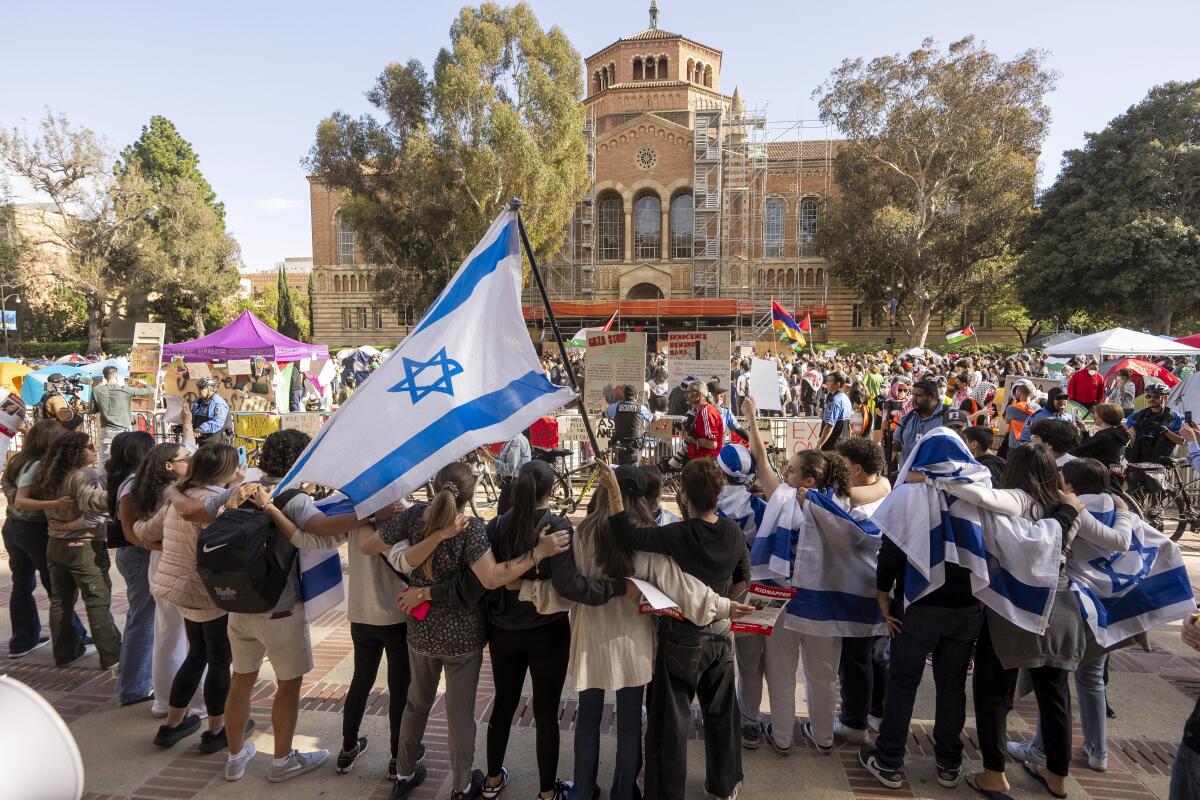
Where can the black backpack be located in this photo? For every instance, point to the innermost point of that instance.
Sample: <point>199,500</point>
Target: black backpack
<point>243,560</point>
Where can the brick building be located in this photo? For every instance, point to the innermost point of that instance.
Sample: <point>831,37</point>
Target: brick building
<point>297,270</point>
<point>698,213</point>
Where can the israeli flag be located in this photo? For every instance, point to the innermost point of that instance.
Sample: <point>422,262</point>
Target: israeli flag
<point>828,556</point>
<point>1013,562</point>
<point>1125,593</point>
<point>737,504</point>
<point>466,376</point>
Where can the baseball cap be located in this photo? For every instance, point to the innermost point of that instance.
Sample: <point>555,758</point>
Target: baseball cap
<point>631,480</point>
<point>955,417</point>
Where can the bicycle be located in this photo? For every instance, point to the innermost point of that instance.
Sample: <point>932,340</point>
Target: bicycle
<point>1161,489</point>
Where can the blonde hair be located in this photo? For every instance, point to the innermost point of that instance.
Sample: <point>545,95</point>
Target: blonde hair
<point>453,487</point>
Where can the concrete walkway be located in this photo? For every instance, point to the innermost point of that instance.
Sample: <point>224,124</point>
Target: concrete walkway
<point>1152,694</point>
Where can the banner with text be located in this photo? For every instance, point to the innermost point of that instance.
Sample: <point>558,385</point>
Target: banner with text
<point>704,354</point>
<point>614,361</point>
<point>145,356</point>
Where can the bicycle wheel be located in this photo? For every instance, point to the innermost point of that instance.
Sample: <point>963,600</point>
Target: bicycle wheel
<point>561,497</point>
<point>579,480</point>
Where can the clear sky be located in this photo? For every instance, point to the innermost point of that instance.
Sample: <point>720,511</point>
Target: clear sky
<point>246,82</point>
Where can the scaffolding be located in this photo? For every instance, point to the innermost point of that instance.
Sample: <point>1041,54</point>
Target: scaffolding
<point>571,274</point>
<point>707,141</point>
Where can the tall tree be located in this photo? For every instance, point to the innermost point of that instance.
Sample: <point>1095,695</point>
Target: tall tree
<point>286,315</point>
<point>100,217</point>
<point>937,175</point>
<point>196,260</point>
<point>1119,231</point>
<point>500,118</point>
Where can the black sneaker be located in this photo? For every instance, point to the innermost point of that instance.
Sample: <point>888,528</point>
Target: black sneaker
<point>891,778</point>
<point>948,776</point>
<point>490,792</point>
<point>169,736</point>
<point>41,642</point>
<point>769,735</point>
<point>562,790</point>
<point>474,790</point>
<point>216,742</point>
<point>392,763</point>
<point>404,786</point>
<point>823,749</point>
<point>751,735</point>
<point>347,758</point>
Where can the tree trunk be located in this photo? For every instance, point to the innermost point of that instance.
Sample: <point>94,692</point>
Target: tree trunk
<point>95,327</point>
<point>1158,316</point>
<point>198,319</point>
<point>921,318</point>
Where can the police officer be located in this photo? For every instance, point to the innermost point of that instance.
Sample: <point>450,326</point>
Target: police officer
<point>210,414</point>
<point>629,426</point>
<point>1155,428</point>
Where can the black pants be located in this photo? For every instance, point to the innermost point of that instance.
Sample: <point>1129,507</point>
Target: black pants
<point>949,634</point>
<point>994,687</point>
<point>863,674</point>
<point>208,645</point>
<point>370,643</point>
<point>543,652</point>
<point>692,663</point>
<point>504,502</point>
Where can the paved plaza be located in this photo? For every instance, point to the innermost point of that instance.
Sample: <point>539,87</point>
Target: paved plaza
<point>1152,694</point>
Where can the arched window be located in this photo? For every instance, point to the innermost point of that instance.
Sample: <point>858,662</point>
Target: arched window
<point>650,72</point>
<point>662,68</point>
<point>321,282</point>
<point>637,68</point>
<point>809,280</point>
<point>596,85</point>
<point>808,226</point>
<point>345,241</point>
<point>647,228</point>
<point>682,226</point>
<point>820,277</point>
<point>337,283</point>
<point>771,276</point>
<point>698,75</point>
<point>354,287</point>
<point>791,277</point>
<point>773,228</point>
<point>612,228</point>
<point>691,69</point>
<point>762,278</point>
<point>708,76</point>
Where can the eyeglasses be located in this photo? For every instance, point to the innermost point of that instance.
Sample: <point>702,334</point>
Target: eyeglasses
<point>181,458</point>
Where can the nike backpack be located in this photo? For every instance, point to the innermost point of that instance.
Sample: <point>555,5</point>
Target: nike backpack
<point>243,560</point>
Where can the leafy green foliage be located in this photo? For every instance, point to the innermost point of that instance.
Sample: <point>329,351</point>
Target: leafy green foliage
<point>1118,234</point>
<point>500,117</point>
<point>938,174</point>
<point>167,158</point>
<point>288,323</point>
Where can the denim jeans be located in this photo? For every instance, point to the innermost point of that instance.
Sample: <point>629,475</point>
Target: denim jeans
<point>26,545</point>
<point>1185,775</point>
<point>134,678</point>
<point>950,634</point>
<point>629,745</point>
<point>863,674</point>
<point>1089,694</point>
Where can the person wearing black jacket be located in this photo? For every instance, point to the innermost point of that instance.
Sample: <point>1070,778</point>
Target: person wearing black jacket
<point>690,660</point>
<point>1107,444</point>
<point>522,641</point>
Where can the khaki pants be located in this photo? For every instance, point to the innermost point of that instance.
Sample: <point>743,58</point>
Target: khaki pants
<point>81,568</point>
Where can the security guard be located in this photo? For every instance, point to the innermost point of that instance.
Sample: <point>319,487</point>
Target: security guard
<point>629,426</point>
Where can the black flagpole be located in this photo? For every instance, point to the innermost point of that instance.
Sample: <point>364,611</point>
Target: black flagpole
<point>515,205</point>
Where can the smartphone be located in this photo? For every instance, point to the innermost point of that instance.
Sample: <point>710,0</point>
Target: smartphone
<point>419,611</point>
<point>1187,415</point>
<point>242,461</point>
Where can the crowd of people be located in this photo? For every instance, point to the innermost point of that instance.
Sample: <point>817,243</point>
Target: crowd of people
<point>436,590</point>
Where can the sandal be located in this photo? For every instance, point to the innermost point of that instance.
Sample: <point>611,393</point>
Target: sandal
<point>1037,775</point>
<point>973,782</point>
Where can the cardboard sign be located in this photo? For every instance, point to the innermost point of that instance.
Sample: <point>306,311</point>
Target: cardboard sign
<point>801,433</point>
<point>764,384</point>
<point>571,429</point>
<point>661,429</point>
<point>198,370</point>
<point>614,361</point>
<point>308,422</point>
<point>703,354</point>
<point>145,358</point>
<point>238,366</point>
<point>255,426</point>
<point>12,415</point>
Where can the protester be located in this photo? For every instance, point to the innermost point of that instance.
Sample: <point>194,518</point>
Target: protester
<point>515,454</point>
<point>926,414</point>
<point>1108,441</point>
<point>836,421</point>
<point>979,441</point>
<point>692,660</point>
<point>1017,413</point>
<point>1059,437</point>
<point>1086,386</point>
<point>1123,392</point>
<point>113,402</point>
<point>654,485</point>
<point>1055,407</point>
<point>703,431</point>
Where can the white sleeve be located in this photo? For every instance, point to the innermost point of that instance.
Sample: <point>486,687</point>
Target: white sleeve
<point>1009,502</point>
<point>1116,538</point>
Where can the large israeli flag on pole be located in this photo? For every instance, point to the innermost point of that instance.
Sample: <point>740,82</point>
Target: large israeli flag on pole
<point>466,376</point>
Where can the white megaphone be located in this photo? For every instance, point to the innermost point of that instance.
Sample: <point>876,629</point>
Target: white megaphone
<point>38,755</point>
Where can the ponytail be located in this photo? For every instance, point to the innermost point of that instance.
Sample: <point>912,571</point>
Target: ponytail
<point>827,469</point>
<point>533,483</point>
<point>454,486</point>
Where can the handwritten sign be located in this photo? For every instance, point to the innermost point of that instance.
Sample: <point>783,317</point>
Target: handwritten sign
<point>239,366</point>
<point>307,422</point>
<point>570,429</point>
<point>242,392</point>
<point>803,433</point>
<point>614,361</point>
<point>145,357</point>
<point>661,429</point>
<point>703,354</point>
<point>198,369</point>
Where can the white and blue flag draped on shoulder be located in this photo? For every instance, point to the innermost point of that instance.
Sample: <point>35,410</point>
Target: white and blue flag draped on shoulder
<point>740,506</point>
<point>466,376</point>
<point>1125,593</point>
<point>828,556</point>
<point>1013,562</point>
<point>321,585</point>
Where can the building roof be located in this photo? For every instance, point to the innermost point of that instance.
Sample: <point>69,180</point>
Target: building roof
<point>651,33</point>
<point>807,150</point>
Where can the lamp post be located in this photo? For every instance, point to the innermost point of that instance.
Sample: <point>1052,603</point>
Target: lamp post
<point>5,296</point>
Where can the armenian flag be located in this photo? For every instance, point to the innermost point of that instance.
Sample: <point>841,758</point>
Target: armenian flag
<point>958,336</point>
<point>786,324</point>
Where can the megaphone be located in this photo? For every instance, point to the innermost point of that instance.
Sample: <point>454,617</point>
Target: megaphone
<point>39,758</point>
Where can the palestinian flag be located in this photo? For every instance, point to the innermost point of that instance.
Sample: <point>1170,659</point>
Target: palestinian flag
<point>958,336</point>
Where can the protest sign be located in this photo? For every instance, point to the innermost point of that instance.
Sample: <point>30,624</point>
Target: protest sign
<point>655,601</point>
<point>614,361</point>
<point>661,429</point>
<point>703,354</point>
<point>145,357</point>
<point>769,603</point>
<point>308,422</point>
<point>764,384</point>
<point>570,429</point>
<point>801,433</point>
<point>242,392</point>
<point>239,366</point>
<point>12,415</point>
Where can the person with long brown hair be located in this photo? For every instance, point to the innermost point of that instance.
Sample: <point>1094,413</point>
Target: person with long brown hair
<point>25,539</point>
<point>436,542</point>
<point>76,553</point>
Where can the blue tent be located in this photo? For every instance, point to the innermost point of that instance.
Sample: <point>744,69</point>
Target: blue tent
<point>34,384</point>
<point>96,370</point>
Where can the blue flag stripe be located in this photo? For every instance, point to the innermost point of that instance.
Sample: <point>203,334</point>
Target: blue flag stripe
<point>321,578</point>
<point>1025,597</point>
<point>480,267</point>
<point>829,605</point>
<point>482,412</point>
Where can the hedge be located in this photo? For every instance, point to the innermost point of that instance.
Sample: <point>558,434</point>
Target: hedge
<point>118,347</point>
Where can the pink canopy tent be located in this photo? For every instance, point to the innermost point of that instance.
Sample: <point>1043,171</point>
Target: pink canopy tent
<point>245,337</point>
<point>1193,340</point>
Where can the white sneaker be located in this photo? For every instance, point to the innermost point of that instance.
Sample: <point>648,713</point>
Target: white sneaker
<point>235,766</point>
<point>1096,762</point>
<point>160,711</point>
<point>853,735</point>
<point>298,763</point>
<point>1023,752</point>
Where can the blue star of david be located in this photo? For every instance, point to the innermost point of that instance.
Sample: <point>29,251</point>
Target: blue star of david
<point>413,369</point>
<point>1123,580</point>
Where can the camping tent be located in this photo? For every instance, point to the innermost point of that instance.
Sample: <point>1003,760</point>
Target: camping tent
<point>1193,340</point>
<point>245,337</point>
<point>33,386</point>
<point>1053,338</point>
<point>1140,370</point>
<point>1185,396</point>
<point>12,373</point>
<point>1121,342</point>
<point>922,352</point>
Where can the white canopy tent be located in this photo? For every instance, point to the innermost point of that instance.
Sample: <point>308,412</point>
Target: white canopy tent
<point>1121,342</point>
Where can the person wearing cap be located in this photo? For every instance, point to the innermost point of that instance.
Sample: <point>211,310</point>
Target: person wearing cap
<point>210,414</point>
<point>956,419</point>
<point>1055,407</point>
<point>718,392</point>
<point>1155,428</point>
<point>630,418</point>
<point>677,402</point>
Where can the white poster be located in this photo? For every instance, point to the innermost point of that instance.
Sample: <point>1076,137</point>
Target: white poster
<point>764,384</point>
<point>702,354</point>
<point>801,433</point>
<point>614,361</point>
<point>12,415</point>
<point>306,421</point>
<point>238,366</point>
